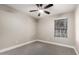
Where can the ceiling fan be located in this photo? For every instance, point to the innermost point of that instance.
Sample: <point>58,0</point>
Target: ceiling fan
<point>42,9</point>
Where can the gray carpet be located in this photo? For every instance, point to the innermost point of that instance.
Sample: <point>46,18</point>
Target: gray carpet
<point>39,48</point>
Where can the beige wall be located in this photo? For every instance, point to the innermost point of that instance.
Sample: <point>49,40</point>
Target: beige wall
<point>46,29</point>
<point>15,28</point>
<point>77,26</point>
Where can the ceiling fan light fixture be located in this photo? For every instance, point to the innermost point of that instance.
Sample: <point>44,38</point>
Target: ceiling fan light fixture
<point>41,11</point>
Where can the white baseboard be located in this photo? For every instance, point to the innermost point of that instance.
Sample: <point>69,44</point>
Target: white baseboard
<point>16,46</point>
<point>77,52</point>
<point>59,44</point>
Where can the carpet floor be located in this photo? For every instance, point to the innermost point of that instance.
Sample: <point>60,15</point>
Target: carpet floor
<point>39,48</point>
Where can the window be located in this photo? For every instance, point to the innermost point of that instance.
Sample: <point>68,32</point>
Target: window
<point>60,28</point>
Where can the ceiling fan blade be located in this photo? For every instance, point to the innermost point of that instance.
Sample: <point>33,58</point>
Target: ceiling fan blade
<point>33,10</point>
<point>39,14</point>
<point>48,6</point>
<point>47,12</point>
<point>38,5</point>
<point>41,5</point>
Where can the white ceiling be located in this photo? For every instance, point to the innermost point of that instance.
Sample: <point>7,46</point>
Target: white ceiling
<point>56,9</point>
